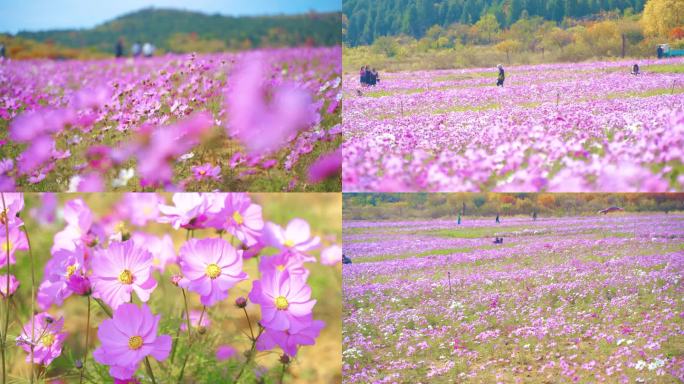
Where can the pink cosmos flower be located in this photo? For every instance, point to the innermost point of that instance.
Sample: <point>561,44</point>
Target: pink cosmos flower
<point>162,249</point>
<point>17,241</point>
<point>127,338</point>
<point>139,208</point>
<point>210,267</point>
<point>297,236</point>
<point>331,255</point>
<point>285,301</point>
<point>46,338</point>
<point>14,203</point>
<point>225,352</point>
<point>239,217</point>
<point>290,341</point>
<point>293,262</point>
<point>45,212</point>
<point>206,171</point>
<point>121,269</point>
<point>64,264</point>
<point>190,211</point>
<point>13,285</point>
<point>194,320</point>
<point>79,229</point>
<point>326,166</point>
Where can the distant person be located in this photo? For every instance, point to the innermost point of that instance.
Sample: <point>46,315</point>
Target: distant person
<point>502,76</point>
<point>118,49</point>
<point>497,219</point>
<point>362,75</point>
<point>345,259</point>
<point>374,77</point>
<point>136,49</point>
<point>2,50</point>
<point>459,218</point>
<point>148,50</point>
<point>367,76</point>
<point>660,51</point>
<point>534,216</point>
<point>635,70</point>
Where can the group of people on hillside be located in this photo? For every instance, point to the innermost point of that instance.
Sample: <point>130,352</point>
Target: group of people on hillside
<point>137,49</point>
<point>369,76</point>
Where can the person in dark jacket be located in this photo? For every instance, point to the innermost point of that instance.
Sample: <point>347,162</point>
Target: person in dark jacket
<point>374,77</point>
<point>502,76</point>
<point>660,51</point>
<point>362,76</point>
<point>497,219</point>
<point>118,49</point>
<point>345,259</point>
<point>2,50</point>
<point>635,69</point>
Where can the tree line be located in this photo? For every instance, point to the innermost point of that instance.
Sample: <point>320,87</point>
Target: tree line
<point>366,20</point>
<point>407,206</point>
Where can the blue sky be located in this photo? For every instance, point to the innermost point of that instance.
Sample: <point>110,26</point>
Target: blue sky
<point>37,15</point>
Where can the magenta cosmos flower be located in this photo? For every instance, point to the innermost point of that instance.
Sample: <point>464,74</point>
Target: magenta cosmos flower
<point>210,267</point>
<point>161,248</point>
<point>45,337</point>
<point>290,341</point>
<point>80,228</point>
<point>190,211</point>
<point>64,265</point>
<point>296,236</point>
<point>331,255</point>
<point>127,338</point>
<point>17,242</point>
<point>206,171</point>
<point>195,320</point>
<point>13,203</point>
<point>285,301</point>
<point>13,285</point>
<point>225,352</point>
<point>293,262</point>
<point>139,208</point>
<point>240,217</point>
<point>121,269</point>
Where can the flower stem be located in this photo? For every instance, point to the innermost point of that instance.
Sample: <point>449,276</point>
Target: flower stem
<point>149,370</point>
<point>251,354</point>
<point>5,325</point>
<point>85,354</point>
<point>33,285</point>
<point>104,307</point>
<point>282,374</point>
<point>187,313</point>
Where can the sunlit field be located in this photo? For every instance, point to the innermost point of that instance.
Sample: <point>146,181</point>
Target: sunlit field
<point>262,120</point>
<point>571,299</point>
<point>71,236</point>
<point>553,127</point>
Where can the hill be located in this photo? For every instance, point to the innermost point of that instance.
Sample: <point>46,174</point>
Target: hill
<point>366,20</point>
<point>172,30</point>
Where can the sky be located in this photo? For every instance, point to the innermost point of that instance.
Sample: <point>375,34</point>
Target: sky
<point>39,15</point>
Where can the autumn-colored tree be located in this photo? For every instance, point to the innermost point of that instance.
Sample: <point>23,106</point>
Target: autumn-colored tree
<point>547,200</point>
<point>677,33</point>
<point>559,38</point>
<point>661,16</point>
<point>507,47</point>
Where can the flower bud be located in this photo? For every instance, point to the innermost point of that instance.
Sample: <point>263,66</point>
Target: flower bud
<point>78,363</point>
<point>285,359</point>
<point>175,279</point>
<point>241,302</point>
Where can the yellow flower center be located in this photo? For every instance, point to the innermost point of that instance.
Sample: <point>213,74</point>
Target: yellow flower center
<point>70,270</point>
<point>203,172</point>
<point>126,277</point>
<point>281,303</point>
<point>213,271</point>
<point>121,227</point>
<point>280,268</point>
<point>7,246</point>
<point>289,243</point>
<point>135,342</point>
<point>238,218</point>
<point>48,339</point>
<point>3,216</point>
<point>147,210</point>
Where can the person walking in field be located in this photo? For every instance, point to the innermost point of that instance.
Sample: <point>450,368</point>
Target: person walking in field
<point>459,218</point>
<point>148,50</point>
<point>497,219</point>
<point>2,50</point>
<point>635,70</point>
<point>118,49</point>
<point>136,49</point>
<point>660,51</point>
<point>502,76</point>
<point>374,77</point>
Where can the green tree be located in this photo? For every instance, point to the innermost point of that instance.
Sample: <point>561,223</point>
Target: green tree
<point>661,16</point>
<point>488,26</point>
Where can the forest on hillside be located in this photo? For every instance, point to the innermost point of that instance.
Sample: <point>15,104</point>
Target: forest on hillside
<point>366,20</point>
<point>184,31</point>
<point>402,206</point>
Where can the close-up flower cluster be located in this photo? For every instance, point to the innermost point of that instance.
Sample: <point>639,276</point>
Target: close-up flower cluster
<point>155,288</point>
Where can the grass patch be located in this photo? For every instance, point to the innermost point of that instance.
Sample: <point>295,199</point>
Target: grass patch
<point>664,68</point>
<point>466,108</point>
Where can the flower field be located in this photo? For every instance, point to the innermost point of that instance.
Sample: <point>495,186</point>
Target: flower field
<point>265,120</point>
<point>189,287</point>
<point>573,299</point>
<point>553,127</point>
